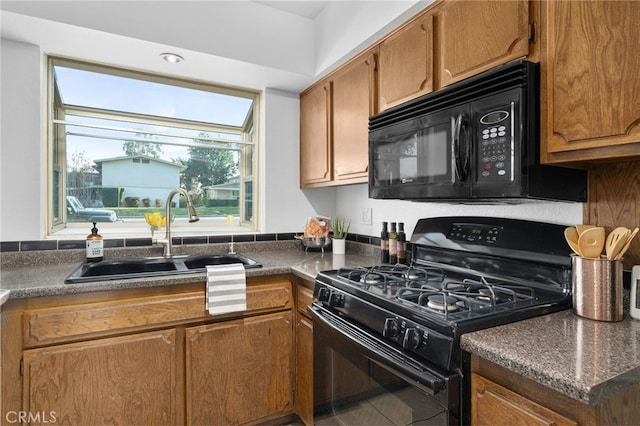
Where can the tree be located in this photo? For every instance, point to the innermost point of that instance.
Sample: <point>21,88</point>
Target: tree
<point>207,167</point>
<point>148,149</point>
<point>79,175</point>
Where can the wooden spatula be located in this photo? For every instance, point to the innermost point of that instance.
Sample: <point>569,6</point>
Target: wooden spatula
<point>615,241</point>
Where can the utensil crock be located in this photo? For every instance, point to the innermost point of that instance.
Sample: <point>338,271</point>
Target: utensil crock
<point>597,288</point>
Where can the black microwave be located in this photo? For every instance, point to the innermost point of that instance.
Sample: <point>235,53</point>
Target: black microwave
<point>476,140</point>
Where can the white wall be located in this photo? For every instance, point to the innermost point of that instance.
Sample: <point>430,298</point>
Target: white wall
<point>344,28</point>
<point>350,201</point>
<point>22,164</point>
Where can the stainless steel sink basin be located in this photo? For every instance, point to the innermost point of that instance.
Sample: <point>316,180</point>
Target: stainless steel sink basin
<point>119,269</point>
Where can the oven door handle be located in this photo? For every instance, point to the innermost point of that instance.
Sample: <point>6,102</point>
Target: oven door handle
<point>381,353</point>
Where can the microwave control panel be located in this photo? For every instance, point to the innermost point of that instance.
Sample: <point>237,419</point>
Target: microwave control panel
<point>495,154</point>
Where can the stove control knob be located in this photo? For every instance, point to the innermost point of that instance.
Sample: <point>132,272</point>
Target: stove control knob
<point>391,328</point>
<point>323,294</point>
<point>336,300</point>
<point>412,338</point>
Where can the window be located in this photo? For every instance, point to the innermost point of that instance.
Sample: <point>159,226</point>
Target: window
<point>120,141</point>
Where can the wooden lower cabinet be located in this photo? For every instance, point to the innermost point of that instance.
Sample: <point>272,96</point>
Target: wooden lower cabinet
<point>121,380</point>
<point>304,370</point>
<point>304,352</point>
<point>149,356</point>
<point>494,404</point>
<point>502,397</point>
<point>239,371</point>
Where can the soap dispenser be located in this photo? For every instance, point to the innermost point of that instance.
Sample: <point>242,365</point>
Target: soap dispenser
<point>95,247</point>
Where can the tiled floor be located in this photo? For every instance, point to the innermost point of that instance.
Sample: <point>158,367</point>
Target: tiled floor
<point>403,407</point>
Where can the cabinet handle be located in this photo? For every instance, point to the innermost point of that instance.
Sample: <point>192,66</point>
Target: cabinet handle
<point>533,27</point>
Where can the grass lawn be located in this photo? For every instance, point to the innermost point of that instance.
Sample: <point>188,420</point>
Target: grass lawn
<point>124,212</point>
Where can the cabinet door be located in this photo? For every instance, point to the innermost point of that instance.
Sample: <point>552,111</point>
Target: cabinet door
<point>315,136</point>
<point>492,404</point>
<point>353,102</point>
<point>590,78</point>
<point>304,369</point>
<point>478,35</point>
<point>239,371</point>
<point>405,64</point>
<point>121,380</point>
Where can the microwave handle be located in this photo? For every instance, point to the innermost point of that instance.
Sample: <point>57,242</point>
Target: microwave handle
<point>461,147</point>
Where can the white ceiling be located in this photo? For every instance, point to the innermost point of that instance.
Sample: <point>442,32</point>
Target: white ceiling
<point>251,44</point>
<point>306,9</point>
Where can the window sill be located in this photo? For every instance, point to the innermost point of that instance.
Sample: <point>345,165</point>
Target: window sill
<point>143,231</point>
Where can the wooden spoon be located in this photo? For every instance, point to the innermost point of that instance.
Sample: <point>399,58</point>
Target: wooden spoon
<point>571,235</point>
<point>615,241</point>
<point>583,227</point>
<point>591,242</point>
<point>628,243</point>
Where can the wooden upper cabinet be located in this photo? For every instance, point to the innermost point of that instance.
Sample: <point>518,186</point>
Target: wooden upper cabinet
<point>405,64</point>
<point>334,125</point>
<point>590,78</point>
<point>353,102</point>
<point>475,36</point>
<point>315,136</point>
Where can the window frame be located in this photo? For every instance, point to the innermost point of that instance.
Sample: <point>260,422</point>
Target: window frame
<point>57,112</point>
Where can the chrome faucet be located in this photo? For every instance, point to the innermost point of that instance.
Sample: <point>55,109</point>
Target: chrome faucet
<point>193,217</point>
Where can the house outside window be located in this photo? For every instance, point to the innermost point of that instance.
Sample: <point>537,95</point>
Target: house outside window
<point>120,141</point>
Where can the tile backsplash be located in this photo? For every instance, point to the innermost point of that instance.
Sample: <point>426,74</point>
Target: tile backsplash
<point>38,245</point>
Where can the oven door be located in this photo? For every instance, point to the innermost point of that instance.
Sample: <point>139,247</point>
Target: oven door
<point>361,380</point>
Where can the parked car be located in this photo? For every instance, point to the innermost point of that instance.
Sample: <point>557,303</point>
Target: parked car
<point>76,212</point>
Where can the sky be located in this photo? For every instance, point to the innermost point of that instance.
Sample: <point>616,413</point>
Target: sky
<point>84,88</point>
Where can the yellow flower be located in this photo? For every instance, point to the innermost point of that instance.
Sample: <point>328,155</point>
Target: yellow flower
<point>229,219</point>
<point>155,219</point>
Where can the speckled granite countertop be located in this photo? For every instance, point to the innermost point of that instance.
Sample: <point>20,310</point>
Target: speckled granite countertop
<point>587,360</point>
<point>38,274</point>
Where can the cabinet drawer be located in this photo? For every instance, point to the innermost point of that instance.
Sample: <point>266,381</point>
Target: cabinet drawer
<point>74,322</point>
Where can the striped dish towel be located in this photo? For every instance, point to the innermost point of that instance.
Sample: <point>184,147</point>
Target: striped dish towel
<point>226,288</point>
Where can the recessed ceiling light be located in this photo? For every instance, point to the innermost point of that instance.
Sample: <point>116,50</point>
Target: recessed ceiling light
<point>172,57</point>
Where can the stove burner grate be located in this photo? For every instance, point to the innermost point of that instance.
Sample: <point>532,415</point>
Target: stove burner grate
<point>470,296</point>
<point>437,290</point>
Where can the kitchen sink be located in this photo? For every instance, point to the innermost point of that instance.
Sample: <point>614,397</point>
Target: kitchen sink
<point>201,261</point>
<point>127,268</point>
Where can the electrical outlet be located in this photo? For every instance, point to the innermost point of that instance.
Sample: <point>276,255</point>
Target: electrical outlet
<point>366,216</point>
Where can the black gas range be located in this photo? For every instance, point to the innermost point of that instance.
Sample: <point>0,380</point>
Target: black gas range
<point>466,274</point>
